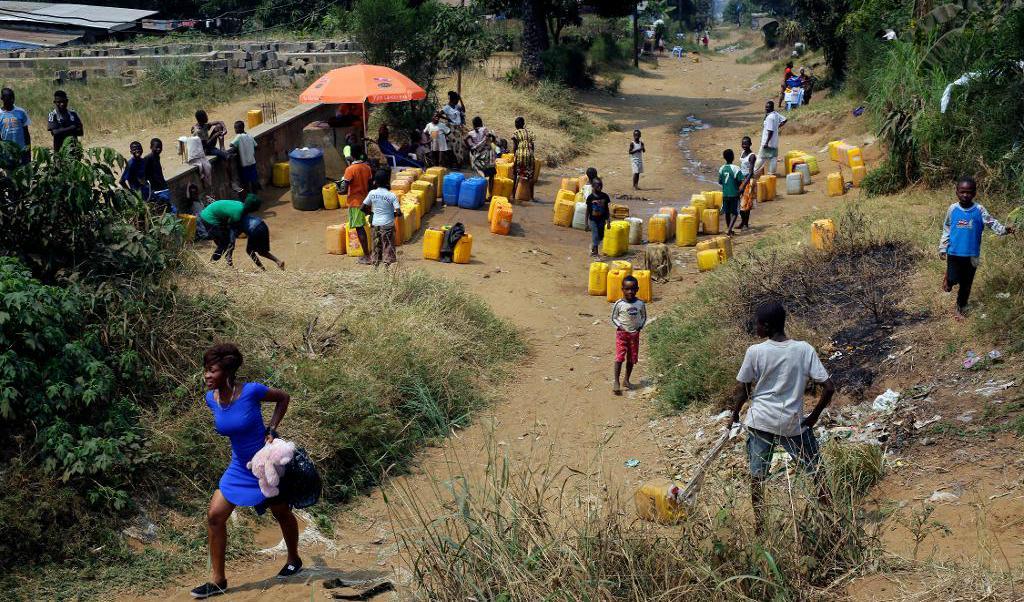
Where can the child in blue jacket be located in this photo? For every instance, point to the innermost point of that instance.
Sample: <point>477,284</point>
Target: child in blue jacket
<point>960,245</point>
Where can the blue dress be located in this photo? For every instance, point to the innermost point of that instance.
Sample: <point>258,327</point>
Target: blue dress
<point>242,423</point>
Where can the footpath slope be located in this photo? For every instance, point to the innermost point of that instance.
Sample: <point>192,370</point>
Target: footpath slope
<point>559,410</point>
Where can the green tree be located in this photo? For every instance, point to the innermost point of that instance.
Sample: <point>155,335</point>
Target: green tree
<point>822,21</point>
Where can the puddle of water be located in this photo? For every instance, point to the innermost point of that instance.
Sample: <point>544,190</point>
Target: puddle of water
<point>693,167</point>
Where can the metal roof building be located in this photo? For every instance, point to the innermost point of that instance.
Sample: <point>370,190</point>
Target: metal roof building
<point>42,24</point>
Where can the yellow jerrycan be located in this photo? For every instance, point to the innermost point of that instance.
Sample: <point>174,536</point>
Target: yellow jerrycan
<point>463,249</point>
<point>709,221</point>
<point>432,239</point>
<point>686,230</point>
<point>709,259</point>
<point>597,284</point>
<point>615,278</point>
<point>835,184</point>
<point>859,171</point>
<point>620,264</point>
<point>335,239</point>
<point>188,226</point>
<point>657,229</point>
<point>657,501</point>
<point>643,279</point>
<point>823,234</point>
<point>330,194</point>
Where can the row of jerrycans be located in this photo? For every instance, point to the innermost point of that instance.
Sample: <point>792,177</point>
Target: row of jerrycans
<point>606,279</point>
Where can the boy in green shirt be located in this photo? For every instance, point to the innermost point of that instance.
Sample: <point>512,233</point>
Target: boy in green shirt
<point>729,177</point>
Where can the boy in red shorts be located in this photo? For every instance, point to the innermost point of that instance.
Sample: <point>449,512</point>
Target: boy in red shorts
<point>629,315</point>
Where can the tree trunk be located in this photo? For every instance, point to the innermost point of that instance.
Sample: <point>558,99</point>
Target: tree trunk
<point>535,37</point>
<point>636,35</point>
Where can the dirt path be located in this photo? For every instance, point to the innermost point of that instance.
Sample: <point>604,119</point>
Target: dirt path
<point>560,409</point>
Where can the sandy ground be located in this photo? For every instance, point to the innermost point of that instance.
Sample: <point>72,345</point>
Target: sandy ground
<point>560,409</point>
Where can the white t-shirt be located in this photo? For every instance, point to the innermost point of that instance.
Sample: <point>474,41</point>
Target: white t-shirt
<point>246,146</point>
<point>630,317</point>
<point>781,371</point>
<point>437,133</point>
<point>384,203</point>
<point>772,122</point>
<point>453,114</point>
<point>194,148</point>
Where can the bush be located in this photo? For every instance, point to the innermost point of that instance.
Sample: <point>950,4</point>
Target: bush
<point>567,65</point>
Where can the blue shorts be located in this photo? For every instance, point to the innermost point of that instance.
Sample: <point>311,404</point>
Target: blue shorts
<point>761,445</point>
<point>249,174</point>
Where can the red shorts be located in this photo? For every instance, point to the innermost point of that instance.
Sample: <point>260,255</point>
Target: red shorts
<point>627,346</point>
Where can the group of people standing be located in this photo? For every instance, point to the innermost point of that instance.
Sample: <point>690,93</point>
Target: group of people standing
<point>62,123</point>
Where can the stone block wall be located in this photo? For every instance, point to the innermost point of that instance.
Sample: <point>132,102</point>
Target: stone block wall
<point>273,143</point>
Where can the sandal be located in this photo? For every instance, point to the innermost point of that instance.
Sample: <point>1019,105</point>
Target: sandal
<point>289,570</point>
<point>208,590</point>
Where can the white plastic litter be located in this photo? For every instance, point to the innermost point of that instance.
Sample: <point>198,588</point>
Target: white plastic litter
<point>944,496</point>
<point>886,402</point>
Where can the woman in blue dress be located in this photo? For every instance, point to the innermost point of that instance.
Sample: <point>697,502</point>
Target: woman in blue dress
<point>238,415</point>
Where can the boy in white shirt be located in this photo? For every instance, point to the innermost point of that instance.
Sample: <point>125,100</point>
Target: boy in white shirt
<point>777,371</point>
<point>245,145</point>
<point>773,123</point>
<point>383,207</point>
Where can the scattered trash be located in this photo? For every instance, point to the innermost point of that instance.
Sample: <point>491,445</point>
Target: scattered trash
<point>995,355</point>
<point>835,356</point>
<point>971,360</point>
<point>966,416</point>
<point>698,434</point>
<point>1002,295</point>
<point>858,111</point>
<point>920,424</point>
<point>886,402</point>
<point>722,416</point>
<point>632,463</point>
<point>943,496</point>
<point>994,386</point>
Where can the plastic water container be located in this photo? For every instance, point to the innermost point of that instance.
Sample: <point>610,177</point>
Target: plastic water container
<point>804,170</point>
<point>188,226</point>
<point>597,283</point>
<point>501,221</point>
<point>812,162</point>
<point>709,221</point>
<point>429,192</point>
<point>615,278</point>
<point>450,187</point>
<point>306,174</point>
<point>833,149</point>
<point>725,244</point>
<point>502,187</point>
<point>656,502</point>
<point>579,216</point>
<point>616,239</point>
<point>643,280</point>
<point>400,187</point>
<point>565,210</point>
<point>279,175</point>
<point>352,246</point>
<point>636,230</point>
<point>657,229</point>
<point>708,259</point>
<point>686,230</point>
<point>463,249</point>
<point>670,212</point>
<point>859,171</point>
<point>503,169</point>
<point>473,193</point>
<point>496,201</point>
<point>570,184</point>
<point>253,117</point>
<point>772,186</point>
<point>670,230</point>
<point>823,234</point>
<point>795,183</point>
<point>621,264</point>
<point>330,194</point>
<point>835,184</point>
<point>432,239</point>
<point>335,239</point>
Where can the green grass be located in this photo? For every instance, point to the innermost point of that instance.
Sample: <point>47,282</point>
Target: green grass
<point>163,94</point>
<point>367,394</point>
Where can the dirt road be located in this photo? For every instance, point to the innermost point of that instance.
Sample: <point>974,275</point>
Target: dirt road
<point>560,408</point>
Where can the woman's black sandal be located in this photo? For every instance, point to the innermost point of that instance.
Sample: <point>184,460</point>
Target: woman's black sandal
<point>208,590</point>
<point>289,570</point>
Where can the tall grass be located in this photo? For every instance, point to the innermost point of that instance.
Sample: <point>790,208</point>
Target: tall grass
<point>377,365</point>
<point>162,94</point>
<point>851,294</point>
<point>533,532</point>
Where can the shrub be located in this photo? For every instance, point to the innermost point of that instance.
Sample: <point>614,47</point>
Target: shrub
<point>567,65</point>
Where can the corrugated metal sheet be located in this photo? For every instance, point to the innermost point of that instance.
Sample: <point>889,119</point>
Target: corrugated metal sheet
<point>82,16</point>
<point>19,38</point>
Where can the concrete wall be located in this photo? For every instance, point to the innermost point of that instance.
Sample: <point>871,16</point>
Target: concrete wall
<point>274,141</point>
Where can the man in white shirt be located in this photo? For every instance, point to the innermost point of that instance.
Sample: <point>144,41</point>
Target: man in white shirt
<point>777,370</point>
<point>245,145</point>
<point>383,207</point>
<point>773,123</point>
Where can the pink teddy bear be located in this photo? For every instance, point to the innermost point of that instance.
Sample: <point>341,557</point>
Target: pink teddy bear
<point>268,465</point>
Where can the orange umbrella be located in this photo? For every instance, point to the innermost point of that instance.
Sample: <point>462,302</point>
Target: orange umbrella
<point>362,83</point>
